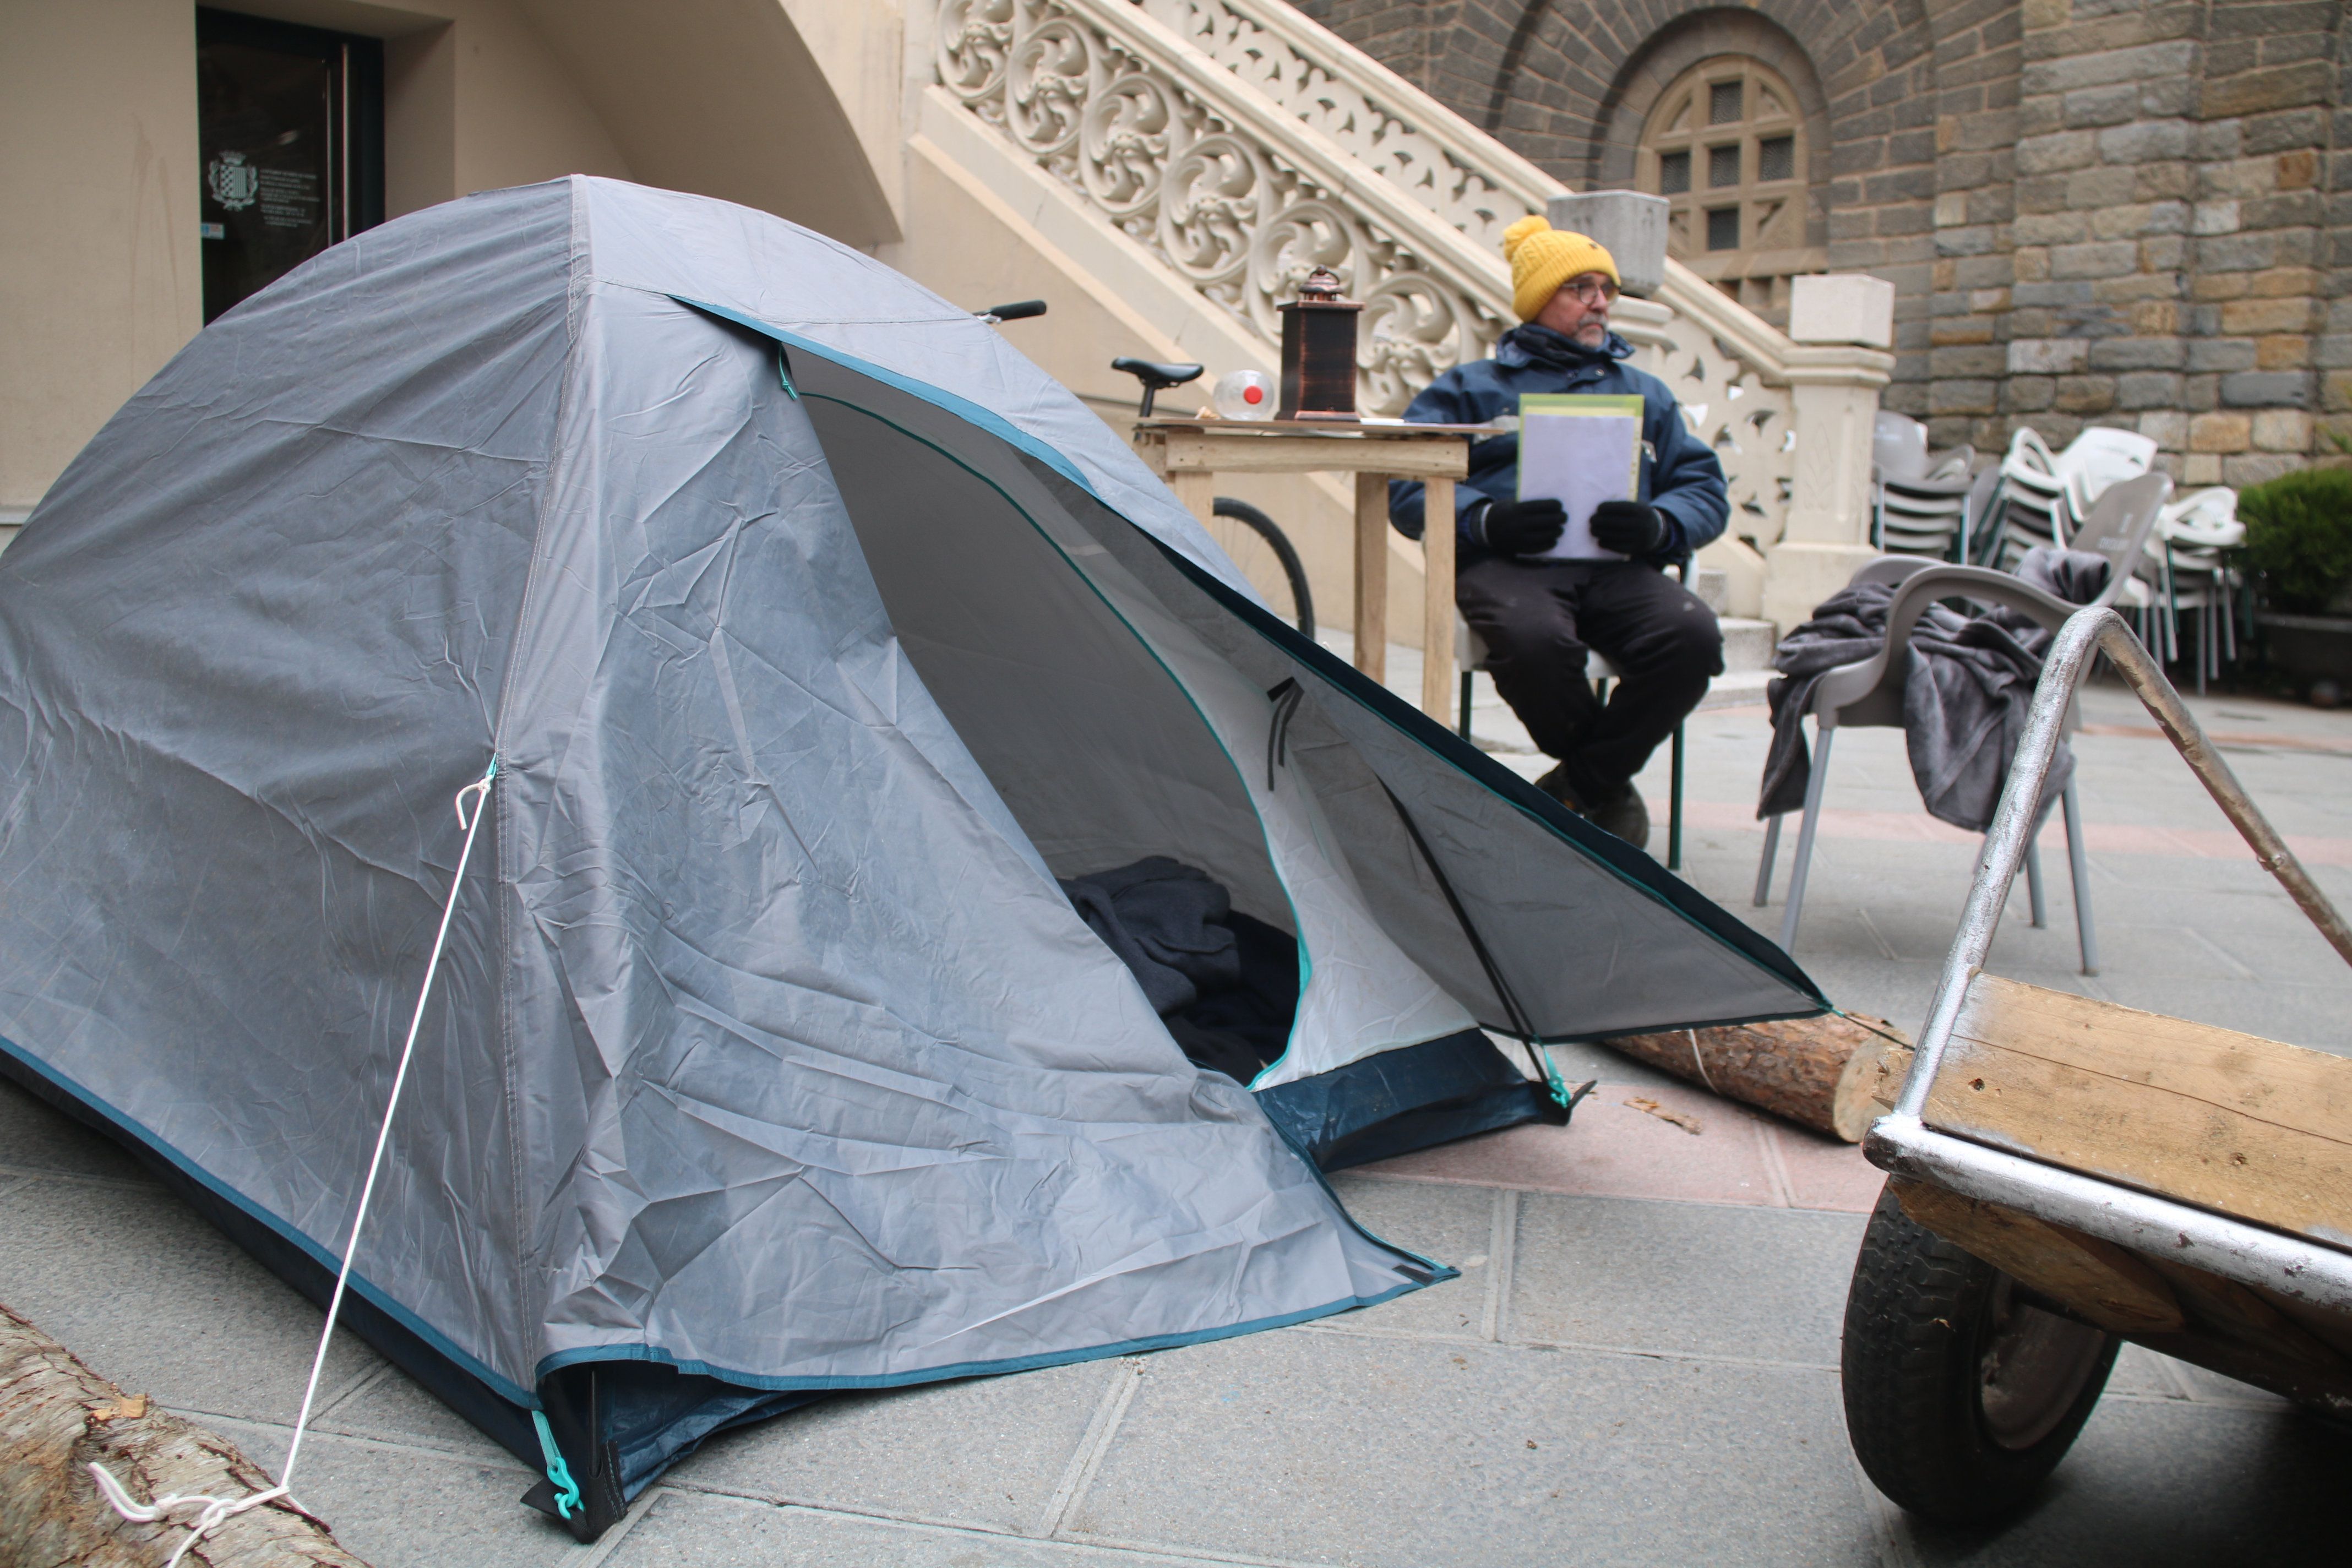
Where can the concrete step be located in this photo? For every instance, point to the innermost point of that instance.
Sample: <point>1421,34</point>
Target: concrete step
<point>1747,644</point>
<point>1736,689</point>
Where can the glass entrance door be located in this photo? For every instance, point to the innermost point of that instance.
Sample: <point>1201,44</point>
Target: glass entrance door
<point>291,122</point>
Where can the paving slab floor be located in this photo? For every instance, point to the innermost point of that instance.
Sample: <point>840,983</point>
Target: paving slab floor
<point>1637,1364</point>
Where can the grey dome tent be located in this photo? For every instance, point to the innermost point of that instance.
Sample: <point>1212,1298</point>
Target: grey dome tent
<point>815,633</point>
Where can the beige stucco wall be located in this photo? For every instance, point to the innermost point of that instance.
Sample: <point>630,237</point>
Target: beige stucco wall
<point>475,99</point>
<point>725,97</point>
<point>100,279</point>
<point>773,103</point>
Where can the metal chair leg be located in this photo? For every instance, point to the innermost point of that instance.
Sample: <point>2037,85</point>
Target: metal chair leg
<point>1805,840</point>
<point>2078,861</point>
<point>1463,728</point>
<point>1674,804</point>
<point>1764,865</point>
<point>2033,903</point>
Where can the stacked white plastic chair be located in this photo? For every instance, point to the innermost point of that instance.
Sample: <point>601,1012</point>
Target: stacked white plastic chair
<point>2044,498</point>
<point>2197,580</point>
<point>2032,506</point>
<point>1921,504</point>
<point>2094,460</point>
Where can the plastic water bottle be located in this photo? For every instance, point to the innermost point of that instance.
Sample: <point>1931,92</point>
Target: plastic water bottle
<point>1244,394</point>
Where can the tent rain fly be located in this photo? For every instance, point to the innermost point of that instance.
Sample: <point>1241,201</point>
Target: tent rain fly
<point>816,634</point>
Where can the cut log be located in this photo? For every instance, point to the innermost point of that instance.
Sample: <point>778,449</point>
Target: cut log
<point>1817,1072</point>
<point>57,1418</point>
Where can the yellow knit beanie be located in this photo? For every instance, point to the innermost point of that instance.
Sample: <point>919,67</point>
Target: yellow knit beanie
<point>1543,257</point>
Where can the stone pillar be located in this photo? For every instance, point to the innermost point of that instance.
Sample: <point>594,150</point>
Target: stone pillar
<point>1841,324</point>
<point>1629,225</point>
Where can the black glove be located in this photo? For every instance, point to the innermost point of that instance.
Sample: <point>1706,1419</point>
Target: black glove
<point>1629,528</point>
<point>1522,527</point>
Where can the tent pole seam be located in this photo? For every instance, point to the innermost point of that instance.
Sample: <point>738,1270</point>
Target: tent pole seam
<point>1519,1020</point>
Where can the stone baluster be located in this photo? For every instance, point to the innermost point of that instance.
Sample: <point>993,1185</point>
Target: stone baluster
<point>1841,324</point>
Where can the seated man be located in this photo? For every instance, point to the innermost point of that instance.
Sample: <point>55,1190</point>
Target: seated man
<point>1538,617</point>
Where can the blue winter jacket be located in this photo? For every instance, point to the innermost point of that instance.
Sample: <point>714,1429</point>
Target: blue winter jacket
<point>1679,473</point>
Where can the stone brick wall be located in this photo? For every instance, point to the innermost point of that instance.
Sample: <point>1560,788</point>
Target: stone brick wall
<point>2170,229</point>
<point>1394,32</point>
<point>2332,358</point>
<point>2119,211</point>
<point>1960,324</point>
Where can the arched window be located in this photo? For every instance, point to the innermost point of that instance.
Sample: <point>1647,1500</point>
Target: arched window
<point>1726,145</point>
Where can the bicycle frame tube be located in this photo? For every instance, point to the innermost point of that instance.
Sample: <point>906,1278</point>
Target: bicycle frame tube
<point>1902,1144</point>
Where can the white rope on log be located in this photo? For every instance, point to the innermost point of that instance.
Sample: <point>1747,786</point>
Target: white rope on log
<point>212,1512</point>
<point>1701,1062</point>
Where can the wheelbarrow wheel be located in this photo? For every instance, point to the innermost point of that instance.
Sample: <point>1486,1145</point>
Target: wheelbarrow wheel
<point>1961,1395</point>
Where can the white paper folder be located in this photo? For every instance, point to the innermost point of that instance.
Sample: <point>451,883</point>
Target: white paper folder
<point>1579,449</point>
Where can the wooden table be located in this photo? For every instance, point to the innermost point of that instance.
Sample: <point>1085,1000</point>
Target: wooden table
<point>1190,453</point>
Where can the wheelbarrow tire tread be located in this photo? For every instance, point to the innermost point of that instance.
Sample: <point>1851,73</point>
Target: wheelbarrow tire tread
<point>1910,1379</point>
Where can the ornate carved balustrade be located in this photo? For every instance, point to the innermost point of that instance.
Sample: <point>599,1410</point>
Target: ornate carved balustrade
<point>1244,144</point>
<point>1218,181</point>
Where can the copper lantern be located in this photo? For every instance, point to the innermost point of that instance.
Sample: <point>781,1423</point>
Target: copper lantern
<point>1319,352</point>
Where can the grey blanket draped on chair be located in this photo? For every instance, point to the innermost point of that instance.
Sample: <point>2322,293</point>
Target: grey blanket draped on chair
<point>1965,694</point>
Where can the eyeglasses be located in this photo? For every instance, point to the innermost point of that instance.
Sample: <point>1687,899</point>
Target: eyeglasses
<point>1593,291</point>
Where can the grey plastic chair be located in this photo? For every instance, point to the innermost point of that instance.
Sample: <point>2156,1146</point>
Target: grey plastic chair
<point>1870,691</point>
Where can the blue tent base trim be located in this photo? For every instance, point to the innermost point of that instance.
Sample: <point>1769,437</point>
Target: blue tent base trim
<point>1405,1099</point>
<point>636,1419</point>
<point>621,1415</point>
<point>505,1421</point>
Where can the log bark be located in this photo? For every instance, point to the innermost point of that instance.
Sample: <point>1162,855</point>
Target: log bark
<point>57,1418</point>
<point>1817,1072</point>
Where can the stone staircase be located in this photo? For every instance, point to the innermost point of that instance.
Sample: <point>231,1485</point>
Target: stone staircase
<point>1182,164</point>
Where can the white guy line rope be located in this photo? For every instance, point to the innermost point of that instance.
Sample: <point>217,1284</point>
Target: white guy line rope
<point>1702,1062</point>
<point>211,1511</point>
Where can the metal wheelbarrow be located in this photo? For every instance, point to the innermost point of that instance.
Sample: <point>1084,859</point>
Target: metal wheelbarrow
<point>2065,1175</point>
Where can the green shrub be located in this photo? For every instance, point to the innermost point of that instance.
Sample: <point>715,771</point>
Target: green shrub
<point>2299,537</point>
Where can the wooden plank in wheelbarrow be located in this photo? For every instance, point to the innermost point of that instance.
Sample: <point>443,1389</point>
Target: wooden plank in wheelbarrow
<point>2254,1128</point>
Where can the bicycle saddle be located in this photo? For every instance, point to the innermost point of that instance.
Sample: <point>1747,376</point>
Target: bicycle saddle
<point>1156,378</point>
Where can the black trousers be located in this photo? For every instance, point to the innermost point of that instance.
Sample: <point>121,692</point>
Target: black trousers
<point>1539,619</point>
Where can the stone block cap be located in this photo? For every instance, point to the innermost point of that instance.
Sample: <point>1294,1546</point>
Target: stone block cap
<point>1842,308</point>
<point>1629,225</point>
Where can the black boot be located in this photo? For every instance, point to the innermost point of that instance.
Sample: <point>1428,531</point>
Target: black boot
<point>1626,817</point>
<point>1623,813</point>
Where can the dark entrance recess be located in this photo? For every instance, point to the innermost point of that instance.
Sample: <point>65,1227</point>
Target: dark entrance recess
<point>291,120</point>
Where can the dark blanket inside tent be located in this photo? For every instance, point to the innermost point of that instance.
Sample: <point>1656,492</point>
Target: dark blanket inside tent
<point>1226,984</point>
